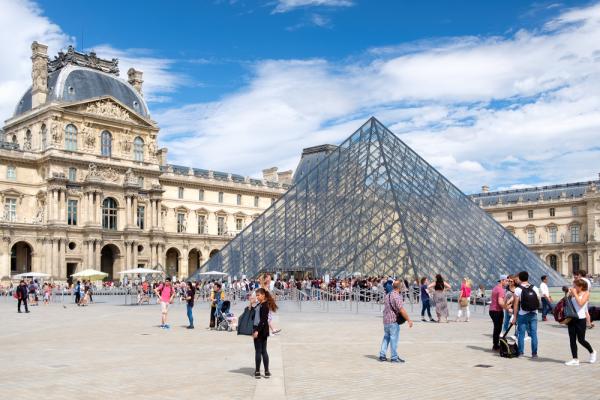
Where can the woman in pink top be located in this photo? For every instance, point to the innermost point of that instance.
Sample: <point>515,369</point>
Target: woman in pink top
<point>464,299</point>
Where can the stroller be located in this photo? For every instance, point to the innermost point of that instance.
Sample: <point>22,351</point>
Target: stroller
<point>225,319</point>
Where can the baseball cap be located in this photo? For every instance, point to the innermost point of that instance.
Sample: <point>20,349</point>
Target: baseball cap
<point>502,277</point>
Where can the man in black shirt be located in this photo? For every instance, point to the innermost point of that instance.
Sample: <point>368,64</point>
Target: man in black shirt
<point>22,296</point>
<point>189,296</point>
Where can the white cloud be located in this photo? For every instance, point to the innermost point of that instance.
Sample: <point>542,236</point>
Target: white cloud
<point>22,23</point>
<point>495,110</point>
<point>159,79</point>
<point>289,5</point>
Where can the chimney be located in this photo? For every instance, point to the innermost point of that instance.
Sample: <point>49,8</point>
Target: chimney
<point>285,177</point>
<point>39,74</point>
<point>135,79</point>
<point>485,189</point>
<point>270,174</point>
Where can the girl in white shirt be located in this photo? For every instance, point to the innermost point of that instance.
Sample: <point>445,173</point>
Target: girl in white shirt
<point>579,296</point>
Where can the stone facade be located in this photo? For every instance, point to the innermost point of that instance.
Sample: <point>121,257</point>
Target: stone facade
<point>560,223</point>
<point>84,185</point>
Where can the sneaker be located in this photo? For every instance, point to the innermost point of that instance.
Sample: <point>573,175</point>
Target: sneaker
<point>162,326</point>
<point>423,319</point>
<point>397,360</point>
<point>573,362</point>
<point>276,331</point>
<point>593,357</point>
<point>544,319</point>
<point>257,374</point>
<point>381,358</point>
<point>431,320</point>
<point>167,326</point>
<point>267,374</point>
<point>190,327</point>
<point>534,355</point>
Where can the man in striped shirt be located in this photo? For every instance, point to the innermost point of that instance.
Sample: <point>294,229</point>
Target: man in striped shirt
<point>392,306</point>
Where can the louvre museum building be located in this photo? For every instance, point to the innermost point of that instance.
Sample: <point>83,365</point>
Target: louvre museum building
<point>85,185</point>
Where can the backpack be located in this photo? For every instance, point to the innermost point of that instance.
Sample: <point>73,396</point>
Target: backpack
<point>529,300</point>
<point>508,347</point>
<point>559,312</point>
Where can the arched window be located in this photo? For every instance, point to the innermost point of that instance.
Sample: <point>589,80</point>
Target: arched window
<point>44,135</point>
<point>109,214</point>
<point>106,140</point>
<point>138,149</point>
<point>71,137</point>
<point>576,262</point>
<point>553,262</point>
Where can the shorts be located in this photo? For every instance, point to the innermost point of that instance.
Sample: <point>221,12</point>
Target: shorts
<point>164,307</point>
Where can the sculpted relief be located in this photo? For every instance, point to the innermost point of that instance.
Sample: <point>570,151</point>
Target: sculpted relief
<point>107,174</point>
<point>89,136</point>
<point>106,108</point>
<point>56,133</point>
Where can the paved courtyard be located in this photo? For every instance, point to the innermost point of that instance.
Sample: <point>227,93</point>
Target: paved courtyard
<point>109,350</point>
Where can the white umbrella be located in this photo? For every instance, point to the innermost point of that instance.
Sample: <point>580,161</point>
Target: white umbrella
<point>31,275</point>
<point>213,273</point>
<point>91,274</point>
<point>142,271</point>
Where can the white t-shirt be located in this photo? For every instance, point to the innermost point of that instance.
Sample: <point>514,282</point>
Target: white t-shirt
<point>581,310</point>
<point>544,289</point>
<point>518,291</point>
<point>589,283</point>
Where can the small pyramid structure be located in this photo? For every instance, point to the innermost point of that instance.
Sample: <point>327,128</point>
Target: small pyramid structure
<point>375,207</point>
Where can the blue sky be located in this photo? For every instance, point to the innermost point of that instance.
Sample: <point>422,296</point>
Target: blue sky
<point>502,93</point>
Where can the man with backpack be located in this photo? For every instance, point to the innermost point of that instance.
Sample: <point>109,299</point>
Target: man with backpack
<point>525,310</point>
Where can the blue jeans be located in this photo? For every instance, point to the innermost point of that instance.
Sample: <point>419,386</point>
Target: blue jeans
<point>546,307</point>
<point>190,315</point>
<point>506,324</point>
<point>391,334</point>
<point>426,305</point>
<point>527,323</point>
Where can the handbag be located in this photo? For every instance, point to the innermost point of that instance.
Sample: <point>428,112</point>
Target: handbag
<point>464,301</point>
<point>246,322</point>
<point>399,318</point>
<point>569,308</point>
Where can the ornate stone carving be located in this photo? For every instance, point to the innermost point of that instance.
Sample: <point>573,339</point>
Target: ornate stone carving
<point>56,133</point>
<point>107,108</point>
<point>84,60</point>
<point>126,143</point>
<point>41,208</point>
<point>110,175</point>
<point>130,178</point>
<point>152,148</point>
<point>89,136</point>
<point>27,144</point>
<point>93,172</point>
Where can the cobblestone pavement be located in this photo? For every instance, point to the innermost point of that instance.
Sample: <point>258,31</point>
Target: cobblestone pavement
<point>109,350</point>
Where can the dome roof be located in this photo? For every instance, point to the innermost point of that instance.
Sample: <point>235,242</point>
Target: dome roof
<point>73,83</point>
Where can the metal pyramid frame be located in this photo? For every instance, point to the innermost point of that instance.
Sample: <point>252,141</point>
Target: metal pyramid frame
<point>374,207</point>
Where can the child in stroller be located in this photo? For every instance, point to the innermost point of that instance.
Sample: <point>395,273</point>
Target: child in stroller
<point>226,320</point>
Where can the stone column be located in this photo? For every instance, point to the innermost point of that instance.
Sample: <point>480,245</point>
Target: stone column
<point>65,206</point>
<point>48,257</point>
<point>58,214</point>
<point>97,255</point>
<point>159,214</point>
<point>163,255</point>
<point>98,209</point>
<point>127,212</point>
<point>53,202</point>
<point>135,255</point>
<point>61,268</point>
<point>134,208</point>
<point>90,254</point>
<point>54,266</point>
<point>183,264</point>
<point>564,267</point>
<point>5,258</point>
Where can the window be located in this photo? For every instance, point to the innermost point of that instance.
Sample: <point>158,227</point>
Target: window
<point>109,214</point>
<point>509,215</point>
<point>530,213</point>
<point>44,135</point>
<point>72,174</point>
<point>575,233</point>
<point>11,173</point>
<point>553,212</point>
<point>10,210</point>
<point>106,143</point>
<point>138,149</point>
<point>180,193</point>
<point>530,236</point>
<point>220,225</point>
<point>72,212</point>
<point>71,138</point>
<point>201,224</point>
<point>201,195</point>
<point>141,210</point>
<point>255,201</point>
<point>575,259</point>
<point>239,200</point>
<point>552,234</point>
<point>574,211</point>
<point>554,262</point>
<point>239,224</point>
<point>180,222</point>
<point>220,197</point>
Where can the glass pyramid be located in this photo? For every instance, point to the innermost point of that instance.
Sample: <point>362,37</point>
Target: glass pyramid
<point>374,207</point>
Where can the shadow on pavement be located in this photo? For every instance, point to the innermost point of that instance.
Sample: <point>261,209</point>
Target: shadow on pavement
<point>484,349</point>
<point>372,357</point>
<point>243,371</point>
